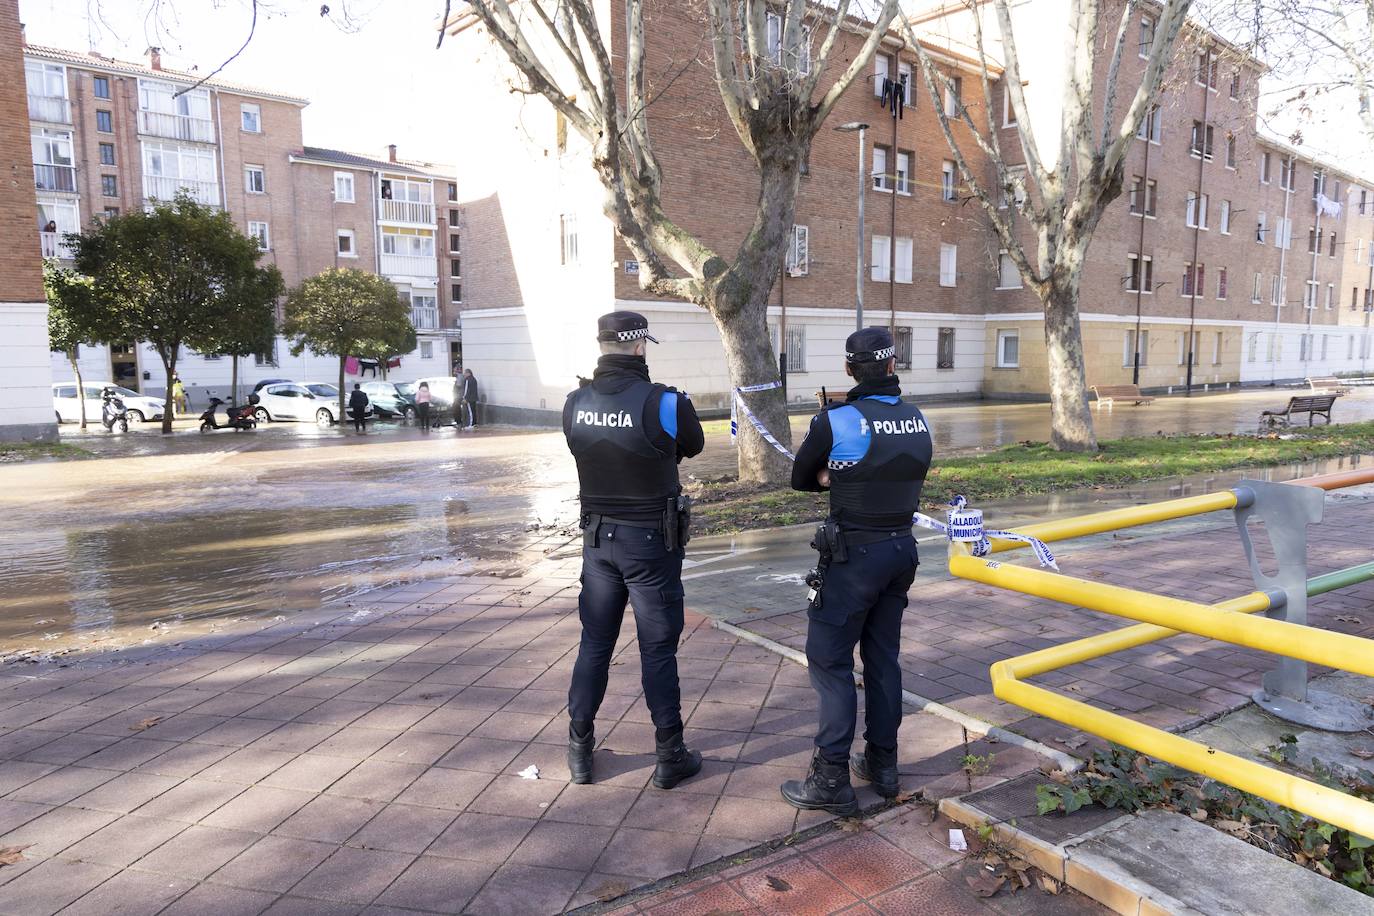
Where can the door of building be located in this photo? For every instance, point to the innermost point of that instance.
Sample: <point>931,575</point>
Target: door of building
<point>124,365</point>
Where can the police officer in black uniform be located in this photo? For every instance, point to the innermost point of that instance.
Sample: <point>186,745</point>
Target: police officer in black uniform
<point>872,453</point>
<point>627,435</point>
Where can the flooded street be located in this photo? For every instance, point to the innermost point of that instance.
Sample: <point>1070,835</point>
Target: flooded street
<point>168,531</point>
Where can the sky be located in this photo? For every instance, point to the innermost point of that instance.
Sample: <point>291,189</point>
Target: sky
<point>370,70</point>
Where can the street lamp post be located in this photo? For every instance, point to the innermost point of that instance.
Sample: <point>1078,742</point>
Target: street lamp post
<point>851,127</point>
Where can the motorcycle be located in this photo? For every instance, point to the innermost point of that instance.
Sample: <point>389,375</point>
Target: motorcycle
<point>239,417</point>
<point>113,412</point>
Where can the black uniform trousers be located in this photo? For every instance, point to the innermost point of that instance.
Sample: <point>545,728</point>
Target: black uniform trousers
<point>861,603</point>
<point>629,563</point>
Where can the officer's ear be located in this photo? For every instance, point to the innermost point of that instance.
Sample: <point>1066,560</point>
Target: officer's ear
<point>849,370</point>
<point>642,348</point>
<point>892,366</point>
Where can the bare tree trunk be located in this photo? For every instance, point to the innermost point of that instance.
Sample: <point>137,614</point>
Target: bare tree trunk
<point>749,357</point>
<point>234,382</point>
<point>1071,419</point>
<point>80,388</point>
<point>170,365</point>
<point>342,393</point>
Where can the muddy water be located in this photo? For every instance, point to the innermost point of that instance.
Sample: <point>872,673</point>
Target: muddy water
<point>164,533</point>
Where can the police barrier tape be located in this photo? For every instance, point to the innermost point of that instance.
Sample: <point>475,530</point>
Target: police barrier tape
<point>963,524</point>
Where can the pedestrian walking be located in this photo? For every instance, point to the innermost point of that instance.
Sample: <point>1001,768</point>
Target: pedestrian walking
<point>178,396</point>
<point>422,405</point>
<point>872,453</point>
<point>627,435</point>
<point>470,396</point>
<point>357,407</point>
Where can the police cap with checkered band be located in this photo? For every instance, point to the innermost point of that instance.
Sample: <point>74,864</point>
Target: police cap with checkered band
<point>623,327</point>
<point>869,345</point>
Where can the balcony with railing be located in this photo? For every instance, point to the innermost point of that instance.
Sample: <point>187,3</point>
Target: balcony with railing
<point>159,187</point>
<point>53,109</point>
<point>409,265</point>
<point>424,318</point>
<point>408,211</point>
<point>54,245</point>
<point>176,126</point>
<point>54,177</point>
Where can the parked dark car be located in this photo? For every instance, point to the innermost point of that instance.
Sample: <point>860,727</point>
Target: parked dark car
<point>270,381</point>
<point>389,401</point>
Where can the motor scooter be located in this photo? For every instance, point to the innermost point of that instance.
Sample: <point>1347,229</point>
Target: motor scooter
<point>238,417</point>
<point>113,412</point>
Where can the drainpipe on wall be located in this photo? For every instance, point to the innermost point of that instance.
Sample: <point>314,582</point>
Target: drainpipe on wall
<point>1283,279</point>
<point>1189,354</point>
<point>1314,286</point>
<point>1140,255</point>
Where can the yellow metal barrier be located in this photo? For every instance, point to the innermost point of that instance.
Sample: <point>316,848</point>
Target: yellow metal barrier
<point>1164,617</point>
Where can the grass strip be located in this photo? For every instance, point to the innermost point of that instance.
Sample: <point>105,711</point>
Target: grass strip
<point>40,451</point>
<point>1032,468</point>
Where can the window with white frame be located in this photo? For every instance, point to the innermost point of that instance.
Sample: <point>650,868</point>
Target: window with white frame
<point>1196,216</point>
<point>1142,196</point>
<point>947,180</point>
<point>1008,277</point>
<point>567,230</point>
<point>1218,347</point>
<point>908,84</point>
<point>796,348</point>
<point>1257,293</point>
<point>954,89</point>
<point>1230,151</point>
<point>1128,349</point>
<point>882,67</point>
<point>169,168</point>
<point>1221,283</point>
<point>1008,348</point>
<point>949,264</point>
<point>881,180</point>
<point>259,231</point>
<point>1184,351</point>
<point>1201,143</point>
<point>408,243</point>
<point>1235,84</point>
<point>1264,174</point>
<point>1330,296</point>
<point>798,252</point>
<point>254,179</point>
<point>1147,35</point>
<point>1288,171</point>
<point>1261,227</point>
<point>1015,188</point>
<point>347,243</point>
<point>1152,125</point>
<point>426,349</point>
<point>881,257</point>
<point>1225,217</point>
<point>1252,347</point>
<point>905,254</point>
<point>1309,295</point>
<point>903,172</point>
<point>1008,109</point>
<point>1276,291</point>
<point>1283,238</point>
<point>343,187</point>
<point>1193,280</point>
<point>250,118</point>
<point>1140,276</point>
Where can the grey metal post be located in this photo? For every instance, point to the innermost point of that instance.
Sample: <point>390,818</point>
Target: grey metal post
<point>1286,511</point>
<point>859,256</point>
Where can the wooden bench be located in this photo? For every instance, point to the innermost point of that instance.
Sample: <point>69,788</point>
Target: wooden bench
<point>1329,385</point>
<point>1318,405</point>
<point>1110,394</point>
<point>825,398</point>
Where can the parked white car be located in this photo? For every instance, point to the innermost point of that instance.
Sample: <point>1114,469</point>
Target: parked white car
<point>318,401</point>
<point>64,402</point>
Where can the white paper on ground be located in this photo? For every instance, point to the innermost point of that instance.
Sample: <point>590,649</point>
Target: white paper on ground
<point>957,841</point>
<point>529,772</point>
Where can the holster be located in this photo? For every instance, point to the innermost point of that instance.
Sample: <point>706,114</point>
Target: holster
<point>677,522</point>
<point>829,543</point>
<point>591,527</point>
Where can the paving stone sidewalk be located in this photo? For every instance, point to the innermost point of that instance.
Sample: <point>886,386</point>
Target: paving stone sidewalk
<point>954,630</point>
<point>366,758</point>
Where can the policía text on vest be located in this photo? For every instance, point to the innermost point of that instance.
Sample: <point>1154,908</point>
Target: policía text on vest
<point>592,418</point>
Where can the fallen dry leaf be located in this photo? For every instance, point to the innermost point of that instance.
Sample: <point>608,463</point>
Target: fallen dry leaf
<point>777,884</point>
<point>1022,876</point>
<point>1076,741</point>
<point>986,884</point>
<point>1048,884</point>
<point>610,890</point>
<point>1233,827</point>
<point>1347,618</point>
<point>1199,814</point>
<point>1362,753</point>
<point>145,724</point>
<point>852,825</point>
<point>901,798</point>
<point>12,855</point>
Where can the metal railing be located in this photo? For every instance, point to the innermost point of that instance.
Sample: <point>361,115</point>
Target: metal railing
<point>54,177</point>
<point>407,211</point>
<point>176,126</point>
<point>159,187</point>
<point>1286,510</point>
<point>51,108</point>
<point>425,319</point>
<point>409,265</point>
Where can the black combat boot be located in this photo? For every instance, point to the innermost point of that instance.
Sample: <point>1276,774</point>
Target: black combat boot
<point>580,741</point>
<point>878,767</point>
<point>676,761</point>
<point>826,788</point>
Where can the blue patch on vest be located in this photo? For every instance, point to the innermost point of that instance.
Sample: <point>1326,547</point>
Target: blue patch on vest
<point>849,432</point>
<point>667,413</point>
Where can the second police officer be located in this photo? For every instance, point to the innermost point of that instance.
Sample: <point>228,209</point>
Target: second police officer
<point>627,435</point>
<point>872,453</point>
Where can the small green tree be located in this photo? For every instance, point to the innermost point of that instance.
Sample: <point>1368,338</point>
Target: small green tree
<point>252,324</point>
<point>344,312</point>
<point>74,318</point>
<point>171,276</point>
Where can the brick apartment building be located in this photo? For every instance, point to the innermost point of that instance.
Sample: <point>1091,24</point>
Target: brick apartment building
<point>1192,249</point>
<point>26,409</point>
<point>109,136</point>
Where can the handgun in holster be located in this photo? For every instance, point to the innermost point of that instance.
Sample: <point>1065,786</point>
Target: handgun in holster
<point>677,522</point>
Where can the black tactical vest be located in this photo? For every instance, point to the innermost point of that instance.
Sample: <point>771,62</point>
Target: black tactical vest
<point>883,489</point>
<point>621,469</point>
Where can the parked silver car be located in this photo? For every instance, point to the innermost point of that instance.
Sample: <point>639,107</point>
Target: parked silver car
<point>139,407</point>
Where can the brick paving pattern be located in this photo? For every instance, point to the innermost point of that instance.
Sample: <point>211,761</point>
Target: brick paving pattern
<point>366,757</point>
<point>954,630</point>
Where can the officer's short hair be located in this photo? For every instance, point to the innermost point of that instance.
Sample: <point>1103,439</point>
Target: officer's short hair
<point>870,371</point>
<point>619,346</point>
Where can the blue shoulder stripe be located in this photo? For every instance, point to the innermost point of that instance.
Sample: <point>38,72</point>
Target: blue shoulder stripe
<point>667,413</point>
<point>849,434</point>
